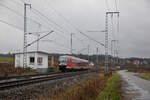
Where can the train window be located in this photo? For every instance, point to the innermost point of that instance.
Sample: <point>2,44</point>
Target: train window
<point>82,64</point>
<point>74,61</point>
<point>71,60</point>
<point>63,59</point>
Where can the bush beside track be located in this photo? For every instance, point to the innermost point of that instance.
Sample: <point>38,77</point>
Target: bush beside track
<point>139,70</point>
<point>7,69</point>
<point>143,72</point>
<point>87,90</point>
<point>111,91</point>
<point>145,76</point>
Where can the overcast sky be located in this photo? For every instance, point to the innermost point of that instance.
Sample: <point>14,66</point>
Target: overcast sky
<point>86,15</point>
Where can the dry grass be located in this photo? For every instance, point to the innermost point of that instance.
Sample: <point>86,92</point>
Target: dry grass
<point>139,70</point>
<point>87,90</point>
<point>143,72</point>
<point>111,91</point>
<point>6,59</point>
<point>7,69</point>
<point>145,76</point>
<point>56,69</point>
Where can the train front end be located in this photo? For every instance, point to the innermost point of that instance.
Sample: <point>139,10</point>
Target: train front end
<point>63,60</point>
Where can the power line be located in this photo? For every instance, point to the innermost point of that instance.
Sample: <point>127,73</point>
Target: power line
<point>34,20</point>
<point>51,20</point>
<point>91,38</point>
<point>82,50</point>
<point>16,2</point>
<point>52,41</point>
<point>77,38</point>
<point>22,5</point>
<point>39,39</point>
<point>76,27</point>
<point>48,20</point>
<point>11,9</point>
<point>2,21</point>
<point>59,14</point>
<point>69,23</point>
<point>63,18</point>
<point>61,45</point>
<point>23,1</point>
<point>17,13</point>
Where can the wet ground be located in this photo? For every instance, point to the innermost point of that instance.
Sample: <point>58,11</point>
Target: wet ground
<point>134,87</point>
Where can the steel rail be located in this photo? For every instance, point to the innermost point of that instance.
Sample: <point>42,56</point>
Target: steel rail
<point>24,82</point>
<point>25,76</point>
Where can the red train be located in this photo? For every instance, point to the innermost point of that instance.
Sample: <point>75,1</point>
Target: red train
<point>72,63</point>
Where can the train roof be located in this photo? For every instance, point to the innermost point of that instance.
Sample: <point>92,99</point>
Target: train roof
<point>75,58</point>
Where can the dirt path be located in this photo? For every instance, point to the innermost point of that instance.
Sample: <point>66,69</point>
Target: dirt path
<point>134,88</point>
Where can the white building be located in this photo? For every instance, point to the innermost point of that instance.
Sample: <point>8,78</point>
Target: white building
<point>35,60</point>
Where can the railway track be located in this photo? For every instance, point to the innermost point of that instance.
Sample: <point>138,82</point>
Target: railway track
<point>26,76</point>
<point>23,82</point>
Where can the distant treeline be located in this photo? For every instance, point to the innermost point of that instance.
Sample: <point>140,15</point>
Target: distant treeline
<point>94,58</point>
<point>6,55</point>
<point>101,59</point>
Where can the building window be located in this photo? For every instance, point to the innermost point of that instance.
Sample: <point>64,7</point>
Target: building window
<point>39,60</point>
<point>32,59</point>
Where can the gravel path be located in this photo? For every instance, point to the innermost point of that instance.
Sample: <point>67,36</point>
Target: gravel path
<point>134,87</point>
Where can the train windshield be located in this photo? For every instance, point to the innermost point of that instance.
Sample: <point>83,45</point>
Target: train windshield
<point>63,60</point>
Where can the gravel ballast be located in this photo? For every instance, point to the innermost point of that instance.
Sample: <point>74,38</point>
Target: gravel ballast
<point>48,88</point>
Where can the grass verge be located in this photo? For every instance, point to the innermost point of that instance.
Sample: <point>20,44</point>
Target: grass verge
<point>87,90</point>
<point>111,91</point>
<point>10,70</point>
<point>145,76</point>
<point>10,59</point>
